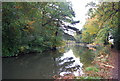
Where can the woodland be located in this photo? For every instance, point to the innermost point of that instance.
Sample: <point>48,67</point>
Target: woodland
<point>34,27</point>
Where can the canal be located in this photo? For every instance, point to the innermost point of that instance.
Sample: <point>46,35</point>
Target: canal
<point>71,59</point>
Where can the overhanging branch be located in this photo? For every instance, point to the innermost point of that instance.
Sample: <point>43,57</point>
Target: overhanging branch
<point>73,28</point>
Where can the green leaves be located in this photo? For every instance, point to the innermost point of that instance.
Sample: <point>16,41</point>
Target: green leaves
<point>102,21</point>
<point>36,25</point>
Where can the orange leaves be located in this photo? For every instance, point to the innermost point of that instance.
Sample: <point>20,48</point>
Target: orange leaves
<point>101,61</point>
<point>18,7</point>
<point>104,65</point>
<point>31,22</point>
<point>92,48</point>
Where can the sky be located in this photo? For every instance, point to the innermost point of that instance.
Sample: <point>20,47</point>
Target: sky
<point>80,11</point>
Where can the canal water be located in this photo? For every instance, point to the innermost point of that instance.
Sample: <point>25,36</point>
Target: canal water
<point>70,59</point>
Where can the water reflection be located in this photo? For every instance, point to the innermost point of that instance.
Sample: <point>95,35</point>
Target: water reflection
<point>32,66</point>
<point>70,64</point>
<point>86,55</point>
<point>45,65</point>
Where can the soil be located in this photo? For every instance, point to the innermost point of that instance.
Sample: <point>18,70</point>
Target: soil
<point>113,59</point>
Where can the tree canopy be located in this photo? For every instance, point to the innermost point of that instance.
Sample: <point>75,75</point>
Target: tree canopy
<point>102,22</point>
<point>34,26</point>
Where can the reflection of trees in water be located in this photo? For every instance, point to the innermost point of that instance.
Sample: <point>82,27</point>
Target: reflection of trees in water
<point>86,56</point>
<point>42,64</point>
<point>66,65</point>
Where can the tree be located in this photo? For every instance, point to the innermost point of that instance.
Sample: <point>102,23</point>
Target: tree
<point>103,20</point>
<point>34,26</point>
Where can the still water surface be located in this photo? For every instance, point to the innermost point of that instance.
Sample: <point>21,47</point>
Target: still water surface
<point>67,60</point>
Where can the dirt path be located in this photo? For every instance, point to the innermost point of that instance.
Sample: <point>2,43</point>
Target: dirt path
<point>114,61</point>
